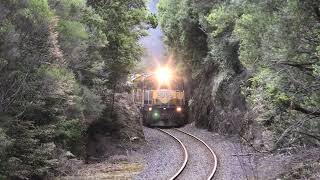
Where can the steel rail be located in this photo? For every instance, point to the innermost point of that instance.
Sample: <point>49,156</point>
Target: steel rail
<point>214,169</point>
<point>185,152</point>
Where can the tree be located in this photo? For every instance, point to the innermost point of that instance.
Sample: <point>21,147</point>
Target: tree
<point>184,35</point>
<point>58,60</point>
<point>126,23</point>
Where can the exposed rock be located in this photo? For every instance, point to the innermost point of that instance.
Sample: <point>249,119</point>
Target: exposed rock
<point>69,155</point>
<point>132,139</point>
<point>218,104</point>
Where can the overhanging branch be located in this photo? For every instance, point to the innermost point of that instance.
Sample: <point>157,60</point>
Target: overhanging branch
<point>299,108</point>
<point>300,65</point>
<point>309,134</point>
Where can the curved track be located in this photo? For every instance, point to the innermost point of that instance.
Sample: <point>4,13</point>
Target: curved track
<point>185,154</point>
<point>186,159</point>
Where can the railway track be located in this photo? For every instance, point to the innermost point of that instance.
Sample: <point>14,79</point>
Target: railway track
<point>191,165</point>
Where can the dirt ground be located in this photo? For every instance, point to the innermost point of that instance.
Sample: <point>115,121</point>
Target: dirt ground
<point>236,160</point>
<point>239,161</point>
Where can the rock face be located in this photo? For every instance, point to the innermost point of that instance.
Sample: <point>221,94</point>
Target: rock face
<point>218,104</point>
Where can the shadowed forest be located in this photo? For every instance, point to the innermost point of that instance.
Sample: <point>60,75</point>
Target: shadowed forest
<point>253,69</point>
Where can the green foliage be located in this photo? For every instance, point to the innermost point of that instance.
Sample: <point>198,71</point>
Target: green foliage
<point>123,49</point>
<point>74,3</point>
<point>27,156</point>
<point>81,105</point>
<point>92,103</point>
<point>56,73</point>
<point>272,46</point>
<point>152,20</point>
<point>186,40</point>
<point>57,59</point>
<point>6,143</point>
<point>6,27</point>
<point>95,24</point>
<point>278,44</point>
<point>249,51</point>
<point>70,133</point>
<point>72,30</point>
<point>221,18</point>
<point>38,10</point>
<point>265,88</point>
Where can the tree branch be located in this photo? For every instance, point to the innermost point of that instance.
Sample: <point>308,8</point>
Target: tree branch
<point>308,134</point>
<point>202,29</point>
<point>287,131</point>
<point>299,108</point>
<point>299,65</point>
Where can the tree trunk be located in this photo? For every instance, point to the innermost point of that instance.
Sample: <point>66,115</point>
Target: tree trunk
<point>113,98</point>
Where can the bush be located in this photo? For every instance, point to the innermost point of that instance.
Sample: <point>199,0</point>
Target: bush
<point>27,156</point>
<point>38,10</point>
<point>71,135</point>
<point>5,145</point>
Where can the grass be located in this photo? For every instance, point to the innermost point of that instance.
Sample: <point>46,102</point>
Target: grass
<point>121,170</point>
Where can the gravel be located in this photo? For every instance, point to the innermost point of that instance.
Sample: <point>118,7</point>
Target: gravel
<point>162,156</point>
<point>231,162</point>
<point>199,163</point>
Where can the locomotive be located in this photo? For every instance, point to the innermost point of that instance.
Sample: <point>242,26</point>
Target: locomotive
<point>161,98</point>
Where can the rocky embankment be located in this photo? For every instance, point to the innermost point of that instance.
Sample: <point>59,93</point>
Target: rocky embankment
<point>218,104</point>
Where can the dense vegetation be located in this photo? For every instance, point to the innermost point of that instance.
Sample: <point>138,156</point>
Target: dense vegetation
<point>277,42</point>
<point>60,61</point>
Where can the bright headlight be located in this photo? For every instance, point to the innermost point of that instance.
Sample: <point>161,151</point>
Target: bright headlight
<point>163,75</point>
<point>179,109</point>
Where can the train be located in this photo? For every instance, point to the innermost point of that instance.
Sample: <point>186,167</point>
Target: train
<point>161,98</point>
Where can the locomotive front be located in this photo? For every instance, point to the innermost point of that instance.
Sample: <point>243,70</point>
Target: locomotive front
<point>161,97</point>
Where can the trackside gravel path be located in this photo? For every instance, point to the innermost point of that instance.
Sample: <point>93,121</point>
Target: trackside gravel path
<point>162,156</point>
<point>230,166</point>
<point>200,160</point>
